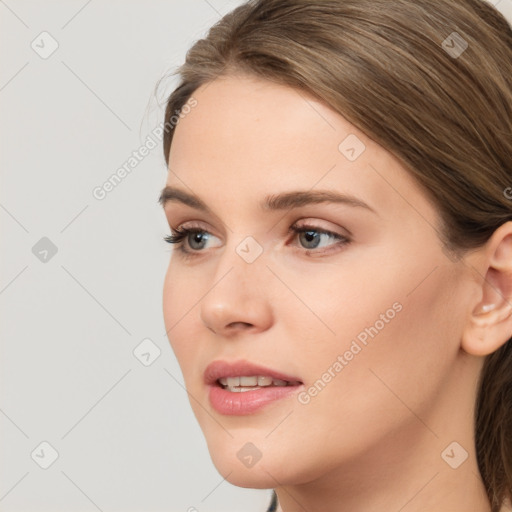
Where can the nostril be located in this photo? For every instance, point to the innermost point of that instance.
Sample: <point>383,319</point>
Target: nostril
<point>240,324</point>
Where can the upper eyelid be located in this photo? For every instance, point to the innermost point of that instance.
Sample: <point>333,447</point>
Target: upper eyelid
<point>296,226</point>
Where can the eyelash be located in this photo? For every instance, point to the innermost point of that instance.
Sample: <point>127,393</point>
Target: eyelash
<point>180,234</point>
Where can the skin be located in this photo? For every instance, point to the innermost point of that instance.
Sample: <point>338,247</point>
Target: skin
<point>372,439</point>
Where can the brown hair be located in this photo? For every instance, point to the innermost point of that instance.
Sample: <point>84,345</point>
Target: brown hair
<point>429,81</point>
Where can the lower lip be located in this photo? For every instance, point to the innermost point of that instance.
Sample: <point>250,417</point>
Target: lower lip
<point>246,402</point>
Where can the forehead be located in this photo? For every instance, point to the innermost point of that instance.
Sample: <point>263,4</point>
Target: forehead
<point>256,120</point>
<point>249,137</point>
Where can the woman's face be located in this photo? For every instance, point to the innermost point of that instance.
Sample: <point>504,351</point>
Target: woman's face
<point>368,319</point>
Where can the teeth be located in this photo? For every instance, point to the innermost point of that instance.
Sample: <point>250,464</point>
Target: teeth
<point>264,381</point>
<point>249,383</point>
<point>240,389</point>
<point>233,381</point>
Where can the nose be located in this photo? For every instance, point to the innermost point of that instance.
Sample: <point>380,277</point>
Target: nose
<point>237,300</point>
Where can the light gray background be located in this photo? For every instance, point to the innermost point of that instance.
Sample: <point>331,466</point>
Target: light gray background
<point>124,432</point>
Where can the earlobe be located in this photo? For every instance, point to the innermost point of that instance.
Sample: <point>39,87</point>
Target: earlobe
<point>489,325</point>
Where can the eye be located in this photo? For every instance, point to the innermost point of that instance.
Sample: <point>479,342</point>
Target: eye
<point>310,238</point>
<point>195,238</point>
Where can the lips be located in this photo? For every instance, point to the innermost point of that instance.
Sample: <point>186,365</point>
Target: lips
<point>224,369</point>
<point>231,397</point>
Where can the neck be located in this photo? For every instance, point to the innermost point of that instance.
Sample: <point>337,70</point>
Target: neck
<point>423,483</point>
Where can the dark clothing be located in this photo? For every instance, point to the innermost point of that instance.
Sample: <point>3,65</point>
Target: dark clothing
<point>273,504</point>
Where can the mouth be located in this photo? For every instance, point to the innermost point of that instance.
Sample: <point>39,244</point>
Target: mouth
<point>241,387</point>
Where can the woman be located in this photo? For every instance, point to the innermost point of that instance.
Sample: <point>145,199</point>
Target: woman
<point>339,293</point>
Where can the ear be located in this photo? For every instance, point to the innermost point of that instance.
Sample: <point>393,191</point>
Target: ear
<point>490,322</point>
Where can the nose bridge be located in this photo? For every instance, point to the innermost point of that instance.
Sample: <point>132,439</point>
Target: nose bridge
<point>244,260</point>
<point>237,294</point>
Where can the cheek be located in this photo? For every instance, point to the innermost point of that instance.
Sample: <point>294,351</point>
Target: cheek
<point>397,335</point>
<point>397,343</point>
<point>169,303</point>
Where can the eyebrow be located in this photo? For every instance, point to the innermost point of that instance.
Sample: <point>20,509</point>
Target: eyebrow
<point>283,201</point>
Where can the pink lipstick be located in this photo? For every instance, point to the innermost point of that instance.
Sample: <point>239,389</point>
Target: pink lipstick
<point>240,387</point>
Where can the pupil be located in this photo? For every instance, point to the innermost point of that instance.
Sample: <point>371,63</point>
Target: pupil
<point>310,236</point>
<point>196,237</point>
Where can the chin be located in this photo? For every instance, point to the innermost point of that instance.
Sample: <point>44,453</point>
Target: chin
<point>251,480</point>
<point>266,473</point>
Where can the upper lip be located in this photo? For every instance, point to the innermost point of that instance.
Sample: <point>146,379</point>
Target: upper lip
<point>219,369</point>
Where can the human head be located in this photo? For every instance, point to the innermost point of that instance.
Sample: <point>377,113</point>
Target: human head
<point>389,68</point>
